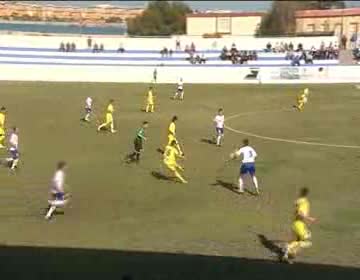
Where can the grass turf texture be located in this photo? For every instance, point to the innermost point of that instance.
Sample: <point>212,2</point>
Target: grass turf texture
<point>124,207</point>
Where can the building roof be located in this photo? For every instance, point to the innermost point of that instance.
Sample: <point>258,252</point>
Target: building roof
<point>328,13</point>
<point>222,14</point>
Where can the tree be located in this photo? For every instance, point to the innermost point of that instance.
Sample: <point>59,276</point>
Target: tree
<point>160,18</point>
<point>281,18</point>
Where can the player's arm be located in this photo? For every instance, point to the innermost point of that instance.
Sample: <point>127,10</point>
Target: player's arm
<point>235,154</point>
<point>306,218</point>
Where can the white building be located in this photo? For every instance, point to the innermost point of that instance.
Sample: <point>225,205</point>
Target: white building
<point>229,23</point>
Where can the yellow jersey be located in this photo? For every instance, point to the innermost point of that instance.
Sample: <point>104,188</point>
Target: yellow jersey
<point>302,208</point>
<point>170,154</point>
<point>150,97</point>
<point>172,128</point>
<point>2,120</point>
<point>110,109</point>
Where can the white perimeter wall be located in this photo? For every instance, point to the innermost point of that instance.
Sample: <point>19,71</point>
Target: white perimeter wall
<point>143,74</point>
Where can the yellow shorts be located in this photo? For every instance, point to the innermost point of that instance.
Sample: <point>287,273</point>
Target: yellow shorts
<point>171,165</point>
<point>150,102</point>
<point>109,118</point>
<point>301,231</point>
<point>171,138</point>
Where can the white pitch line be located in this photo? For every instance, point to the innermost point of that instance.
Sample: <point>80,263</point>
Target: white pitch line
<point>281,139</point>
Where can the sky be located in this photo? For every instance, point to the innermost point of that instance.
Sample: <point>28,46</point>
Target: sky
<point>199,5</point>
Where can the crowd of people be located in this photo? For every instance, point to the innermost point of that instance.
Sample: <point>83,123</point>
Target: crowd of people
<point>165,52</point>
<point>237,56</point>
<point>68,47</point>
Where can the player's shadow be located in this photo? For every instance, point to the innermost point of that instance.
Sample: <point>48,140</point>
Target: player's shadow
<point>39,262</point>
<point>160,176</point>
<point>231,187</point>
<point>270,245</point>
<point>207,141</point>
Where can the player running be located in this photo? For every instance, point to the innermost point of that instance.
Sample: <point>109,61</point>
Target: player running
<point>138,144</point>
<point>172,134</point>
<point>2,127</point>
<point>14,149</point>
<point>109,120</point>
<point>302,235</point>
<point>57,191</point>
<point>248,165</point>
<point>179,93</point>
<point>88,108</point>
<point>219,126</point>
<point>302,100</point>
<point>169,158</point>
<point>150,105</point>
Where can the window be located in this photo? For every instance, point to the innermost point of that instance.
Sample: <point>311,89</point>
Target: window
<point>310,28</point>
<point>338,29</point>
<point>354,28</point>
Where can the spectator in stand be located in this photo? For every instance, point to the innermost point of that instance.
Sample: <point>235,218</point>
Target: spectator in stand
<point>73,47</point>
<point>286,47</point>
<point>296,60</point>
<point>268,47</point>
<point>96,48</point>
<point>291,46</point>
<point>170,52</point>
<point>89,42</point>
<point>202,59</point>
<point>308,58</point>
<point>68,47</point>
<point>62,47</point>
<point>187,49</point>
<point>121,48</point>
<point>343,42</point>
<point>300,47</point>
<point>192,47</point>
<point>177,45</point>
<point>353,41</point>
<point>101,49</point>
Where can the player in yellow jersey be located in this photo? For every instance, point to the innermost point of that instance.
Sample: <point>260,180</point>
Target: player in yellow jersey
<point>150,105</point>
<point>170,155</point>
<point>172,134</point>
<point>109,120</point>
<point>302,100</point>
<point>302,234</point>
<point>2,127</point>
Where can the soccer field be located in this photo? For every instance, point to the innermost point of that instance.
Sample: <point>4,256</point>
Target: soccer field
<point>118,208</point>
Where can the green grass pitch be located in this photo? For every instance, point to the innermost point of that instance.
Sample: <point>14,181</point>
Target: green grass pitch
<point>118,208</point>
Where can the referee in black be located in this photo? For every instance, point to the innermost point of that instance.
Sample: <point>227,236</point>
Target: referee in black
<point>138,144</point>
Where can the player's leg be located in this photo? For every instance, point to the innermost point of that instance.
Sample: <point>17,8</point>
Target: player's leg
<point>176,95</point>
<point>59,202</point>
<point>300,235</point>
<point>219,136</point>
<point>50,212</point>
<point>242,174</point>
<point>15,159</point>
<point>152,107</point>
<point>182,94</point>
<point>147,108</point>
<point>105,124</point>
<point>178,175</point>
<point>2,138</point>
<point>138,149</point>
<point>111,122</point>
